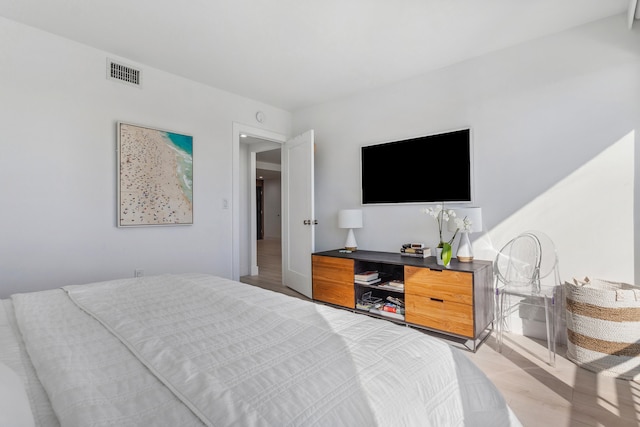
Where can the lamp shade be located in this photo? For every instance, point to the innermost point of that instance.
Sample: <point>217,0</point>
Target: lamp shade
<point>473,214</point>
<point>350,218</point>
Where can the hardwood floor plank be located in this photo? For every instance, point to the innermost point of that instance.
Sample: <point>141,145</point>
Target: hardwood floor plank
<point>270,269</point>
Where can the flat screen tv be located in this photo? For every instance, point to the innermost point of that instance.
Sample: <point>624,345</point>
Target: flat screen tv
<point>426,169</point>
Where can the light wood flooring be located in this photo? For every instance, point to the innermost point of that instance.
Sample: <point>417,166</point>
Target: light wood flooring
<point>539,395</point>
<point>270,268</point>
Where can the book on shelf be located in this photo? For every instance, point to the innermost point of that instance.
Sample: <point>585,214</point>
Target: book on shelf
<point>413,245</point>
<point>366,275</point>
<point>395,285</point>
<point>392,308</point>
<point>381,312</point>
<point>395,301</point>
<point>368,282</point>
<point>415,255</point>
<point>426,251</point>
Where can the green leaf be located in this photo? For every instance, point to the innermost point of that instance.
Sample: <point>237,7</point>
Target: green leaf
<point>446,253</point>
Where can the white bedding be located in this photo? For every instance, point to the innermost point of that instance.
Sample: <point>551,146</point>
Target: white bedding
<point>14,355</point>
<point>180,350</point>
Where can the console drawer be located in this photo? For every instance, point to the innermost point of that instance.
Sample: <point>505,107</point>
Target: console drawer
<point>333,280</point>
<point>451,286</point>
<point>437,313</point>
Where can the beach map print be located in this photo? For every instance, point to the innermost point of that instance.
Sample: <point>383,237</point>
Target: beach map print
<point>156,177</point>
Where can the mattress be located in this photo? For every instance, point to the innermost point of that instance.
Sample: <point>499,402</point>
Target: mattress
<point>192,350</point>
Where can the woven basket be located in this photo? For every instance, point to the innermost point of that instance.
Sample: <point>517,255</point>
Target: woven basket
<point>603,327</point>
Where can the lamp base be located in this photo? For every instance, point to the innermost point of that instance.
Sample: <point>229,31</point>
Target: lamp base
<point>351,244</point>
<point>465,253</point>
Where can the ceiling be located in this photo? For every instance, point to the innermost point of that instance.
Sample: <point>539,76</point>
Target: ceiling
<point>297,53</point>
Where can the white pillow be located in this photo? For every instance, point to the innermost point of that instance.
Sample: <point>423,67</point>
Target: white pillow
<point>15,409</point>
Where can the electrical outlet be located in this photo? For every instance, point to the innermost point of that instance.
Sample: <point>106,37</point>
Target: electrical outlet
<point>138,273</point>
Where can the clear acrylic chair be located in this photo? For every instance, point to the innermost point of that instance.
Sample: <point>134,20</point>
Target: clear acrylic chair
<point>527,278</point>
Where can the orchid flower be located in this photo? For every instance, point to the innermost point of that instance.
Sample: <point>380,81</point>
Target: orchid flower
<point>442,215</point>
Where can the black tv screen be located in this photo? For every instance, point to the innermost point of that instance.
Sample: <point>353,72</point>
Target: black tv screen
<point>433,168</point>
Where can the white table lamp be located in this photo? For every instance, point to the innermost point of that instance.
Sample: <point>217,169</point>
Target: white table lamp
<point>350,218</point>
<point>467,220</point>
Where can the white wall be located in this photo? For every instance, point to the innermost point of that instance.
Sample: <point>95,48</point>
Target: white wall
<point>58,165</point>
<point>555,123</point>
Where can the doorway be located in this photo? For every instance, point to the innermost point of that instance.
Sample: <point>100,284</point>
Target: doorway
<point>264,218</point>
<point>268,204</point>
<point>297,205</point>
<point>268,198</point>
<point>243,249</point>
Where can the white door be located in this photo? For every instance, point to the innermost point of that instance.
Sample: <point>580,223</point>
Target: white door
<point>298,221</point>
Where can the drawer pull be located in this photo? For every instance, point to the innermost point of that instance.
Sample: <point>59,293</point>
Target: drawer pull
<point>436,299</point>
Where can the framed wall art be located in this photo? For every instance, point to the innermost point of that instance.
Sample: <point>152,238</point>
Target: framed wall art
<point>155,177</point>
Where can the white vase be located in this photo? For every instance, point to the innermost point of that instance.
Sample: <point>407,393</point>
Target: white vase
<point>465,251</point>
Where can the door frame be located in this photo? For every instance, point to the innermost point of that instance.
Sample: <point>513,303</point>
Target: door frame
<point>237,194</point>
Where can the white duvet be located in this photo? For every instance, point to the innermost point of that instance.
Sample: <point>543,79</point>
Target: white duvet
<point>181,350</point>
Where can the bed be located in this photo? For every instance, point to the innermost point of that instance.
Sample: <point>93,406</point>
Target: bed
<point>195,349</point>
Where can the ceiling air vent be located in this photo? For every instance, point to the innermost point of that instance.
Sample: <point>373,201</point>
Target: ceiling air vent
<point>123,73</point>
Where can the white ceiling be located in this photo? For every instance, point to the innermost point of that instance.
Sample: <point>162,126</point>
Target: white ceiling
<point>296,53</point>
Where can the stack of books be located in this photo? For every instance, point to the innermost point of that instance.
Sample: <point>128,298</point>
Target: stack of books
<point>388,309</point>
<point>416,250</point>
<point>367,278</point>
<point>392,307</point>
<point>394,285</point>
